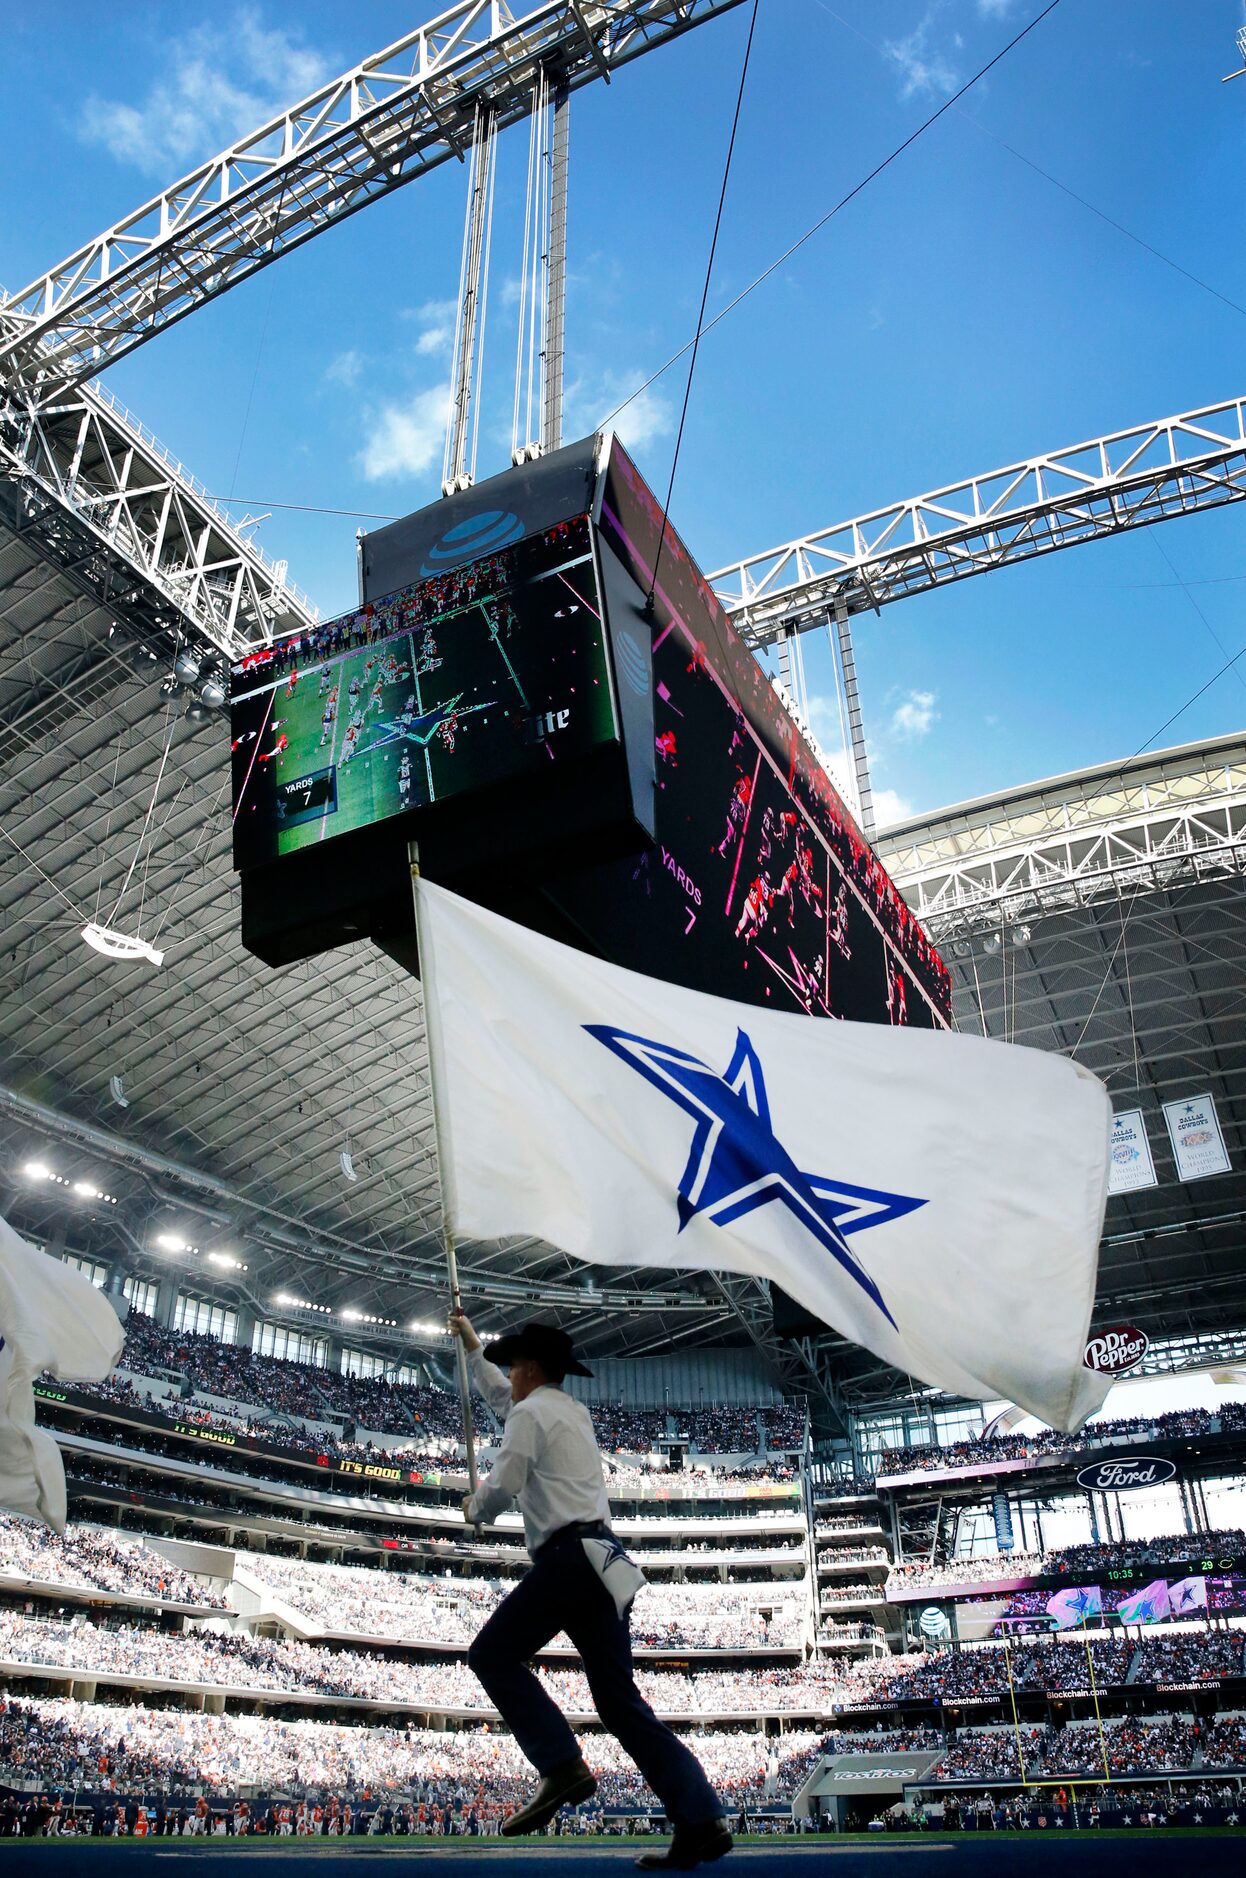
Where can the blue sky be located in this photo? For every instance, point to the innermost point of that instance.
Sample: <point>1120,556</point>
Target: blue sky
<point>963,312</point>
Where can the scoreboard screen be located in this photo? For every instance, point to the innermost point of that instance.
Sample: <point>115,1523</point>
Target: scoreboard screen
<point>566,720</point>
<point>759,884</point>
<point>477,675</point>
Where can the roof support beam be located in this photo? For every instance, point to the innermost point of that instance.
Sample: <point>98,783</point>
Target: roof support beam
<point>1176,466</point>
<point>389,119</point>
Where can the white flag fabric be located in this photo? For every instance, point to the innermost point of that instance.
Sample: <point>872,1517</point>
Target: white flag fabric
<point>937,1198</point>
<point>51,1317</point>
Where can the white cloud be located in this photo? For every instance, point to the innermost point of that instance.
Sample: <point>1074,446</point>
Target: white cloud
<point>344,369</point>
<point>995,9</point>
<point>435,318</point>
<point>406,438</point>
<point>435,339</point>
<point>913,716</point>
<point>217,83</point>
<point>925,69</point>
<point>647,416</point>
<point>890,808</point>
<point>590,400</point>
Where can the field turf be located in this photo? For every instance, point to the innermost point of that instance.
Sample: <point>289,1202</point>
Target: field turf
<point>1134,1854</point>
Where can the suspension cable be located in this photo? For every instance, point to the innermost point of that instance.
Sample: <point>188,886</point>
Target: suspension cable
<point>523,275</point>
<point>705,294</point>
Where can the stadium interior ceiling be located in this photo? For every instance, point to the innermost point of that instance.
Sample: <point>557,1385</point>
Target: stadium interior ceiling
<point>242,1087</point>
<point>1100,913</point>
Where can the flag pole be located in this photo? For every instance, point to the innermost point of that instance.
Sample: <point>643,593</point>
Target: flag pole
<point>447,1234</point>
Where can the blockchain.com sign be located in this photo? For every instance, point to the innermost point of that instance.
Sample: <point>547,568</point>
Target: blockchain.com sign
<point>1123,1475</point>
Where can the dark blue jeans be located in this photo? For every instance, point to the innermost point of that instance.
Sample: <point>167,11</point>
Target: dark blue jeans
<point>563,1592</point>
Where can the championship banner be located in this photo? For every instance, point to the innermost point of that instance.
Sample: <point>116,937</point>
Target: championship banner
<point>1197,1143</point>
<point>1131,1163</point>
<point>936,1197</point>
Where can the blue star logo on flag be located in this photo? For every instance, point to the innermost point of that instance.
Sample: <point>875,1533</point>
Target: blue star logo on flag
<point>737,1163</point>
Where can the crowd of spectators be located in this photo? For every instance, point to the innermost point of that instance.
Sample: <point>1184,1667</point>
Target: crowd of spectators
<point>1160,1746</point>
<point>357,1600</point>
<point>419,1415</point>
<point>835,1593</point>
<point>61,1746</point>
<point>855,1555</point>
<point>288,1388</point>
<point>657,1539</point>
<point>834,1634</point>
<point>234,1660</point>
<point>1070,1561</point>
<point>1191,1656</point>
<point>979,1569</point>
<point>64,1746</point>
<point>92,1560</point>
<point>1082,1805</point>
<point>932,1457</point>
<point>979,1670</point>
<point>434,1470</point>
<point>1224,1741</point>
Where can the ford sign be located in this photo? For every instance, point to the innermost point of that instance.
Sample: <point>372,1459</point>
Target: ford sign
<point>1112,1352</point>
<point>1122,1476</point>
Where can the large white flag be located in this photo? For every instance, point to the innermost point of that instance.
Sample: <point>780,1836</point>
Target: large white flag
<point>937,1198</point>
<point>51,1317</point>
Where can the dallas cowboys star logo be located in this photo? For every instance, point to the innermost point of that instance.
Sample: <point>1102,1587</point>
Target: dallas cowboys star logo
<point>737,1164</point>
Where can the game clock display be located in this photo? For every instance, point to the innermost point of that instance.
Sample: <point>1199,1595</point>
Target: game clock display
<point>473,677</point>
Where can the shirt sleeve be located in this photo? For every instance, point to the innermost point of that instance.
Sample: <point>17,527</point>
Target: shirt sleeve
<point>510,1471</point>
<point>491,1383</point>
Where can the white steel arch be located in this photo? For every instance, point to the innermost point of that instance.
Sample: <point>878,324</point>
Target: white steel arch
<point>1150,473</point>
<point>390,118</point>
<point>1155,822</point>
<point>105,502</point>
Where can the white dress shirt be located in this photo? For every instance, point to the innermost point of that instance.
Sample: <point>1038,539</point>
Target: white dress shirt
<point>548,1459</point>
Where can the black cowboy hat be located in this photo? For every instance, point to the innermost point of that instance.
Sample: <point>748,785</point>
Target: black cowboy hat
<point>541,1343</point>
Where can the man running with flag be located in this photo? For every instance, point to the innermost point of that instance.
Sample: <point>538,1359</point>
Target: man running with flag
<point>582,1582</point>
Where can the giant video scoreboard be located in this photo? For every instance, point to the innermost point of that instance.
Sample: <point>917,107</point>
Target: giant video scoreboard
<point>571,728</point>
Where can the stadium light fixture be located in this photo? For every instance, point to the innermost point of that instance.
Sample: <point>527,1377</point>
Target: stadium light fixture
<point>226,1261</point>
<point>37,1170</point>
<point>119,945</point>
<point>170,1242</point>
